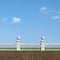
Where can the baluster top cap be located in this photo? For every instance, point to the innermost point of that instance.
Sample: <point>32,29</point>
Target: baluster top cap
<point>18,38</point>
<point>42,38</point>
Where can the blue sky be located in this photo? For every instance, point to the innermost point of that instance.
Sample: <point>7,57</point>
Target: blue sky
<point>30,19</point>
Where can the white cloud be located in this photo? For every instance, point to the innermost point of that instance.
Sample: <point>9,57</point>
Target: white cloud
<point>44,9</point>
<point>16,20</point>
<point>55,17</point>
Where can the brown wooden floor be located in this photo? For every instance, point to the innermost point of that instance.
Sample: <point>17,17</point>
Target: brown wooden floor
<point>29,55</point>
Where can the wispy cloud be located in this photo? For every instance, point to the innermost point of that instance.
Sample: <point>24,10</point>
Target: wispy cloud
<point>11,20</point>
<point>55,17</point>
<point>5,19</point>
<point>16,20</point>
<point>58,12</point>
<point>44,9</point>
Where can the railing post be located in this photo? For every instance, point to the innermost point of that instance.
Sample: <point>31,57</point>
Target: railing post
<point>18,43</point>
<point>42,44</point>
